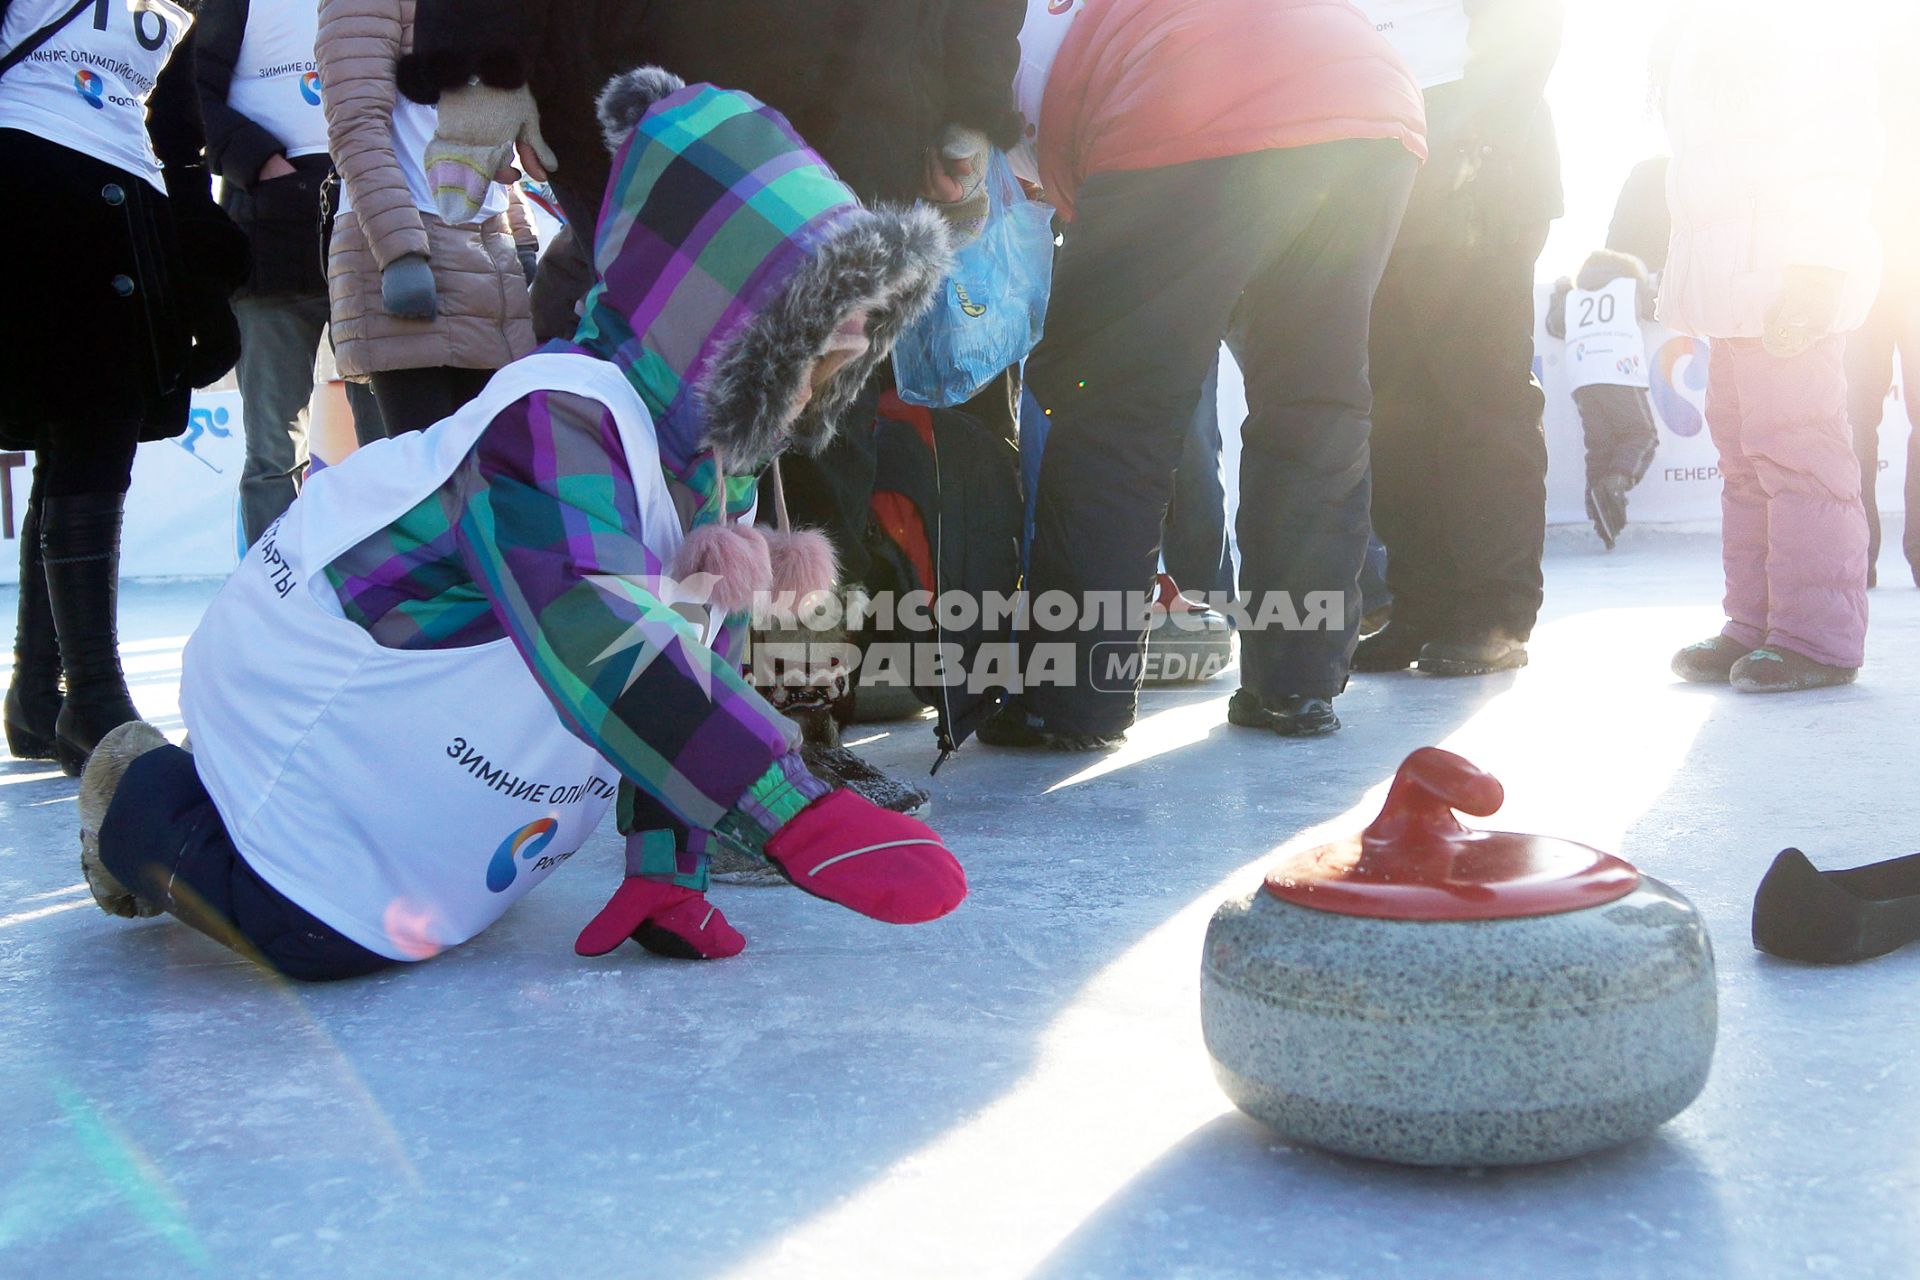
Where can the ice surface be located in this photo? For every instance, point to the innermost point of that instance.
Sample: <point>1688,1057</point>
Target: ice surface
<point>1019,1089</point>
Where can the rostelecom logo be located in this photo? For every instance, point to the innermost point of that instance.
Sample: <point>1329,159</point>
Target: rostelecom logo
<point>91,87</point>
<point>524,845</point>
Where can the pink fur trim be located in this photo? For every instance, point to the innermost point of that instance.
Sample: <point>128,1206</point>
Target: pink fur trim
<point>733,558</point>
<point>803,563</point>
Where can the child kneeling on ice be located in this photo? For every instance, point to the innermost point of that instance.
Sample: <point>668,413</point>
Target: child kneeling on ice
<point>422,688</point>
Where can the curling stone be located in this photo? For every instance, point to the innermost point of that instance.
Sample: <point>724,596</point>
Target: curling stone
<point>1434,995</point>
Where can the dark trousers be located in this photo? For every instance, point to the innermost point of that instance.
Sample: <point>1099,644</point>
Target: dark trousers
<point>1195,548</point>
<point>1286,246</point>
<point>164,840</point>
<point>1893,327</point>
<point>415,399</point>
<point>1459,454</point>
<point>1621,438</point>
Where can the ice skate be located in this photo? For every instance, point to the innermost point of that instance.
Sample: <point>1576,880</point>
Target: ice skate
<point>105,768</point>
<point>1709,661</point>
<point>1293,716</point>
<point>666,919</point>
<point>1778,670</point>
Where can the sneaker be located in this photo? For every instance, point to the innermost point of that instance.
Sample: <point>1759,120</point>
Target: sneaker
<point>1482,657</point>
<point>1394,647</point>
<point>1293,716</point>
<point>1777,670</point>
<point>1607,508</point>
<point>1710,661</point>
<point>1015,727</point>
<point>101,779</point>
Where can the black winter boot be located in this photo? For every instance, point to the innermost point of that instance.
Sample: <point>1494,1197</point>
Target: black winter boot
<point>1294,716</point>
<point>80,546</point>
<point>1480,656</point>
<point>33,698</point>
<point>1394,647</point>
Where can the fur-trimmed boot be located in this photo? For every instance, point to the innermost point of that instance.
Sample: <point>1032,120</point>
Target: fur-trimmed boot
<point>797,670</point>
<point>107,765</point>
<point>33,696</point>
<point>80,548</point>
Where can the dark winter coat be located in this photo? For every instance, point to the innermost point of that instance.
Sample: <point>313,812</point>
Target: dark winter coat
<point>1494,125</point>
<point>281,217</point>
<point>107,278</point>
<point>868,83</point>
<point>1641,224</point>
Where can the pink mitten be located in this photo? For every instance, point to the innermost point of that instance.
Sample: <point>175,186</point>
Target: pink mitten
<point>665,919</point>
<point>848,850</point>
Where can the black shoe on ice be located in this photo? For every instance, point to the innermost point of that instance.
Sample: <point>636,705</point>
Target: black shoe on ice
<point>1015,727</point>
<point>1480,657</point>
<point>1294,716</point>
<point>1395,647</point>
<point>1607,508</point>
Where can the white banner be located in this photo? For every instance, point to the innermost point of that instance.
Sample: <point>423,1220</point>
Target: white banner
<point>183,513</point>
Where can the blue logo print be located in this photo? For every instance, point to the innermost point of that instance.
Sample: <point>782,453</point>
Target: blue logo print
<point>524,845</point>
<point>91,88</point>
<point>310,88</point>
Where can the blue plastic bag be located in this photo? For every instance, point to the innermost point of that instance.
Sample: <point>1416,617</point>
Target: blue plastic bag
<point>993,308</point>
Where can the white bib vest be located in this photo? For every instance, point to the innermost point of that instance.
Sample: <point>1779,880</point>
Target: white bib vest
<point>413,127</point>
<point>405,797</point>
<point>1048,22</point>
<point>276,82</point>
<point>1605,347</point>
<point>87,87</point>
<point>1429,35</point>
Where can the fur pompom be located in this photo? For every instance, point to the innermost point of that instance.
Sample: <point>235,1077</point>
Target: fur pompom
<point>626,98</point>
<point>803,563</point>
<point>731,561</point>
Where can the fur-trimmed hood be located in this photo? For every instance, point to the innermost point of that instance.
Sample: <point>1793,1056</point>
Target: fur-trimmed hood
<point>728,256</point>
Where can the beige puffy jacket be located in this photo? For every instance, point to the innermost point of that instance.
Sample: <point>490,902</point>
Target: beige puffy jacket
<point>483,319</point>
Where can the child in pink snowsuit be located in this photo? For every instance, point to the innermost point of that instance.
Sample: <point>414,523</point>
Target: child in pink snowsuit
<point>1777,147</point>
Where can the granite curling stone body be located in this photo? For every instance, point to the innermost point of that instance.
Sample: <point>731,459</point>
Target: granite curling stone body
<point>1429,994</point>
